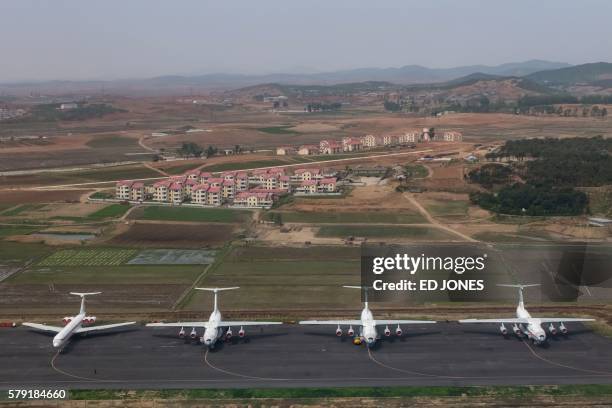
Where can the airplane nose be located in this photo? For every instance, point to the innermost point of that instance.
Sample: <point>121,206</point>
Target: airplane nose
<point>370,340</point>
<point>56,343</point>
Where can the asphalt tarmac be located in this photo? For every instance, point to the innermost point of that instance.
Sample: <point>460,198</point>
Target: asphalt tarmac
<point>299,356</point>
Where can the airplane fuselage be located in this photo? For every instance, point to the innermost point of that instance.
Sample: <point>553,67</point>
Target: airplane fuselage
<point>368,327</point>
<point>533,329</point>
<point>66,333</point>
<point>212,331</point>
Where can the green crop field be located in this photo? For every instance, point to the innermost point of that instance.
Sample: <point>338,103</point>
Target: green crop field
<point>111,211</point>
<point>7,230</point>
<point>287,278</point>
<point>162,213</point>
<point>441,208</point>
<point>20,253</point>
<point>279,130</point>
<point>89,257</point>
<point>416,233</point>
<point>346,217</point>
<point>21,209</point>
<point>107,275</point>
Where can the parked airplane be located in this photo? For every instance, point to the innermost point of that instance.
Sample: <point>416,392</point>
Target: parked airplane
<point>367,324</point>
<point>213,328</point>
<point>74,325</point>
<point>524,324</point>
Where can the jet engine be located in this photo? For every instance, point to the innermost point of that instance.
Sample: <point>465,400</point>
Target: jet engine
<point>228,333</point>
<point>241,333</point>
<point>563,328</point>
<point>193,333</point>
<point>66,320</point>
<point>89,320</point>
<point>503,329</point>
<point>338,331</point>
<point>398,331</point>
<point>351,332</point>
<point>552,329</point>
<point>181,333</point>
<point>387,331</point>
<point>516,330</point>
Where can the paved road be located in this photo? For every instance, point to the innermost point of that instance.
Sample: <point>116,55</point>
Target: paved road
<point>291,356</point>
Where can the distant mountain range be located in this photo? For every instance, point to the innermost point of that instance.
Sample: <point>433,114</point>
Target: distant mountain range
<point>534,73</point>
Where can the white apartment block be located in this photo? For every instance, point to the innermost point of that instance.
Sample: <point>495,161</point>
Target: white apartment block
<point>453,136</point>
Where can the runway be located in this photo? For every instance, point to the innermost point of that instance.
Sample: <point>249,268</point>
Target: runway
<point>297,356</point>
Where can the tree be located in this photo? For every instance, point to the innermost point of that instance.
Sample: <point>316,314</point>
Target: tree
<point>211,151</point>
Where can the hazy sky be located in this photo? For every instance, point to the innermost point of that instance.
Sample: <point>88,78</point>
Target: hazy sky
<point>77,39</point>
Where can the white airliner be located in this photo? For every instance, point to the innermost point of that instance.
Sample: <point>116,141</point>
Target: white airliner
<point>213,328</point>
<point>367,324</point>
<point>524,324</point>
<point>74,324</point>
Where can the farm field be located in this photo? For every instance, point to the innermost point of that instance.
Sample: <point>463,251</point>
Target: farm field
<point>190,214</point>
<point>411,233</point>
<point>111,211</point>
<point>346,217</point>
<point>284,278</point>
<point>167,235</point>
<point>173,257</point>
<point>89,257</point>
<point>8,230</point>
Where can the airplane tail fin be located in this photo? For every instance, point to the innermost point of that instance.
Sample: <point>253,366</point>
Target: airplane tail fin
<point>365,291</point>
<point>216,291</point>
<point>82,295</point>
<point>520,288</point>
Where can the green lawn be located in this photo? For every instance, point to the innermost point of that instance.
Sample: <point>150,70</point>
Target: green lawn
<point>287,278</point>
<point>21,209</point>
<point>162,213</point>
<point>347,217</point>
<point>417,233</point>
<point>105,275</point>
<point>7,230</point>
<point>89,257</point>
<point>112,141</point>
<point>439,208</point>
<point>110,211</point>
<point>416,171</point>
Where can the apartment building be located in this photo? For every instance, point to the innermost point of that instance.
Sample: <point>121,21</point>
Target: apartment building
<point>351,144</point>
<point>390,140</point>
<point>176,193</point>
<point>242,181</point>
<point>308,150</point>
<point>199,194</point>
<point>327,185</point>
<point>161,191</point>
<point>123,189</point>
<point>228,190</point>
<point>285,150</point>
<point>369,141</point>
<point>307,187</point>
<point>306,174</point>
<point>409,137</point>
<point>330,147</point>
<point>204,176</point>
<point>254,199</point>
<point>214,195</point>
<point>452,136</point>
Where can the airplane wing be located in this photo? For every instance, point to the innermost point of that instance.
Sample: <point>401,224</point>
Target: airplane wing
<point>333,322</point>
<point>237,323</point>
<point>508,320</point>
<point>561,319</point>
<point>379,322</point>
<point>43,327</point>
<point>102,327</point>
<point>178,324</point>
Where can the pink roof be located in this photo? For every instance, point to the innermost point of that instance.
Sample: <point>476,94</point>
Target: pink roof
<point>276,171</point>
<point>311,171</point>
<point>309,183</point>
<point>284,178</point>
<point>162,183</point>
<point>193,172</point>
<point>214,190</point>
<point>309,147</point>
<point>200,187</point>
<point>330,180</point>
<point>138,184</point>
<point>205,174</point>
<point>259,171</point>
<point>215,180</point>
<point>191,182</point>
<point>228,173</point>
<point>333,143</point>
<point>228,183</point>
<point>242,174</point>
<point>125,183</point>
<point>176,186</point>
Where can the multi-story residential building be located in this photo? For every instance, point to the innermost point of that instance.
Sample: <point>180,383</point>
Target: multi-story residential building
<point>409,137</point>
<point>253,199</point>
<point>214,196</point>
<point>193,175</point>
<point>306,174</point>
<point>390,140</point>
<point>307,187</point>
<point>162,189</point>
<point>176,193</point>
<point>229,175</point>
<point>204,176</point>
<point>453,136</point>
<point>199,194</point>
<point>327,185</point>
<point>137,192</point>
<point>369,141</point>
<point>215,181</point>
<point>257,176</point>
<point>242,181</point>
<point>228,190</point>
<point>427,135</point>
<point>123,190</point>
<point>270,181</point>
<point>330,147</point>
<point>188,186</point>
<point>308,150</point>
<point>351,144</point>
<point>284,183</point>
